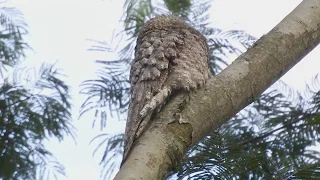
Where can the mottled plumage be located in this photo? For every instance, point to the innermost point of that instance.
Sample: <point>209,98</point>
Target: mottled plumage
<point>170,57</point>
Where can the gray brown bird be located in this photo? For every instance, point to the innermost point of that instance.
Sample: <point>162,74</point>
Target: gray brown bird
<point>170,57</point>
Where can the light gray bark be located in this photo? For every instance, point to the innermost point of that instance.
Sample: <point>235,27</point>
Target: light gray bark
<point>166,140</point>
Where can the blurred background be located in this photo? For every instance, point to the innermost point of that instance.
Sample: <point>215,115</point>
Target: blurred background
<point>65,91</point>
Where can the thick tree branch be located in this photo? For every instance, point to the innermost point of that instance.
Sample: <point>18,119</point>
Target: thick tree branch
<point>177,128</point>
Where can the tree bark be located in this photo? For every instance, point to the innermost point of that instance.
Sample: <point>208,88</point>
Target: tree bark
<point>176,128</point>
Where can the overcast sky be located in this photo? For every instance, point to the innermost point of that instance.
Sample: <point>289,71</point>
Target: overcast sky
<point>58,32</point>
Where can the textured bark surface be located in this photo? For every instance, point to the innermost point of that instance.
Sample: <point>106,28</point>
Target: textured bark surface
<point>167,139</point>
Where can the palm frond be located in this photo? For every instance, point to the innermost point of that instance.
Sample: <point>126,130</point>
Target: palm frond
<point>109,91</point>
<point>12,44</point>
<point>113,150</point>
<point>267,140</point>
<point>223,43</point>
<point>32,110</point>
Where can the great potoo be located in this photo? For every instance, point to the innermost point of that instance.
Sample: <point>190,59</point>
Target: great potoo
<point>170,57</point>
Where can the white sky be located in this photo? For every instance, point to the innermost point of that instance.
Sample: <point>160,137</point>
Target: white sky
<point>59,29</point>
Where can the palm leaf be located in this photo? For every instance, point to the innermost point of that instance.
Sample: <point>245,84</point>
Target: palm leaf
<point>32,109</point>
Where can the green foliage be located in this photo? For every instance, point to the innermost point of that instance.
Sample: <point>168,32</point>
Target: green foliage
<point>33,107</point>
<point>113,150</point>
<point>270,139</point>
<point>31,111</point>
<point>12,45</point>
<point>111,89</point>
<point>178,7</point>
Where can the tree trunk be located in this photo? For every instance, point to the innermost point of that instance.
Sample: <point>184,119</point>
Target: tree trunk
<point>176,128</point>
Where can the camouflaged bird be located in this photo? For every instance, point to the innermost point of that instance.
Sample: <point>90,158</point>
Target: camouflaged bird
<point>170,57</point>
